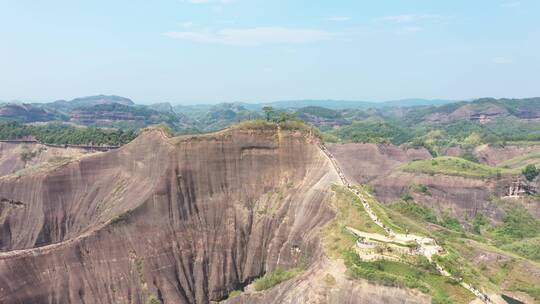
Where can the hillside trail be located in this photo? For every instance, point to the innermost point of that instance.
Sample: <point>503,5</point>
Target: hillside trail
<point>426,246</point>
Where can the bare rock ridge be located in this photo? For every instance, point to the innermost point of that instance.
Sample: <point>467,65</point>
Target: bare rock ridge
<point>185,219</point>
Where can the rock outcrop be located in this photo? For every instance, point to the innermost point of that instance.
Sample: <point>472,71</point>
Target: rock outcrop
<point>365,162</point>
<point>379,166</point>
<point>184,219</point>
<point>16,156</point>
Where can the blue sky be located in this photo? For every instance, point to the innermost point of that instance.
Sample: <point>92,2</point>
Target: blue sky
<point>191,51</point>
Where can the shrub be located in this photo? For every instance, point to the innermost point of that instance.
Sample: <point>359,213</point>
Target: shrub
<point>530,172</point>
<point>272,279</point>
<point>417,211</point>
<point>529,248</point>
<point>518,224</point>
<point>407,197</point>
<point>478,221</point>
<point>234,294</point>
<point>27,155</point>
<point>152,299</point>
<point>451,223</point>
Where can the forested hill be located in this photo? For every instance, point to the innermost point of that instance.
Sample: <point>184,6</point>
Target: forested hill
<point>65,134</point>
<point>434,124</point>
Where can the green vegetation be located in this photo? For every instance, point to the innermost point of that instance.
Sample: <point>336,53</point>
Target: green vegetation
<point>375,132</point>
<point>454,166</point>
<point>422,189</point>
<point>522,161</point>
<point>28,155</point>
<point>505,246</point>
<point>56,133</point>
<point>517,224</point>
<point>528,248</point>
<point>268,111</point>
<point>419,212</point>
<point>319,112</point>
<point>272,279</point>
<point>479,221</point>
<point>530,172</point>
<point>450,223</point>
<point>290,124</point>
<point>415,211</point>
<point>234,294</point>
<point>351,213</point>
<point>381,212</point>
<point>152,299</point>
<point>436,130</point>
<point>162,127</point>
<point>533,291</point>
<point>123,217</point>
<point>419,275</point>
<point>136,113</point>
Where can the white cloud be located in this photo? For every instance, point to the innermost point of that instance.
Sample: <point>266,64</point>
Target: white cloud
<point>338,18</point>
<point>188,24</point>
<point>511,4</point>
<point>501,60</point>
<point>254,36</point>
<point>409,30</point>
<point>400,18</point>
<point>413,18</point>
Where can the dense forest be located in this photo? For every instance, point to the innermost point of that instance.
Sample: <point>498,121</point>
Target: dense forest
<point>57,133</point>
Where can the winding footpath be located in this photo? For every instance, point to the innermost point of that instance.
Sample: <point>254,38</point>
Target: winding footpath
<point>426,246</point>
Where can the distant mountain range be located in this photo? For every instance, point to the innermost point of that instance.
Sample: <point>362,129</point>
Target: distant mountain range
<point>121,112</point>
<point>351,104</point>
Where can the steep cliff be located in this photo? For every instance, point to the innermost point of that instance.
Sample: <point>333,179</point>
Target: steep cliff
<point>185,219</point>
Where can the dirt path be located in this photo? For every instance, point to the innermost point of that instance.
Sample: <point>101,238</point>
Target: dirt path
<point>426,246</point>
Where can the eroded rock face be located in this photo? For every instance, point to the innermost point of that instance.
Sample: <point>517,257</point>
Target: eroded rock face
<point>18,156</point>
<point>365,162</point>
<point>482,114</point>
<point>456,195</point>
<point>494,155</point>
<point>327,282</point>
<point>378,166</point>
<point>184,219</point>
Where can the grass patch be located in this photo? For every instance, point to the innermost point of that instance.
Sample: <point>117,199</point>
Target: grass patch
<point>291,125</point>
<point>350,213</point>
<point>123,217</point>
<point>416,276</point>
<point>381,212</point>
<point>451,223</point>
<point>152,299</point>
<point>517,224</point>
<point>234,294</point>
<point>521,161</point>
<point>529,248</point>
<point>415,211</point>
<point>275,277</point>
<point>421,189</point>
<point>533,291</point>
<point>455,166</point>
<point>504,245</point>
